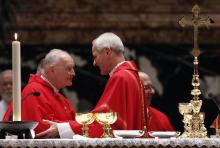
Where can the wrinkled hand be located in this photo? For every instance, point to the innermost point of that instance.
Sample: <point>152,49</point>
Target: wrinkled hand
<point>51,132</point>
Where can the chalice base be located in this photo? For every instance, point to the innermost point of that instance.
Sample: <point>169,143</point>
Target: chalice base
<point>104,135</point>
<point>107,132</point>
<point>85,130</point>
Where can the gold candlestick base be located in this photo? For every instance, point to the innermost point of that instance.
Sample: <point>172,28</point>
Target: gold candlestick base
<point>22,129</point>
<point>193,120</point>
<point>194,126</point>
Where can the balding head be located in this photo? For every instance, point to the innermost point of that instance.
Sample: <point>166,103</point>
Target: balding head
<point>57,67</point>
<point>145,78</point>
<point>5,73</point>
<point>53,57</point>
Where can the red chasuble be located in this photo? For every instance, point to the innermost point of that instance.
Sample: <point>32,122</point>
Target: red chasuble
<point>158,121</point>
<point>123,94</point>
<point>48,105</point>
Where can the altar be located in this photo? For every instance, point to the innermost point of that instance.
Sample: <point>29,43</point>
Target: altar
<point>113,142</point>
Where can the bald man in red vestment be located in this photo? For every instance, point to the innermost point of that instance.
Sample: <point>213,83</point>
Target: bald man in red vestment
<point>157,121</point>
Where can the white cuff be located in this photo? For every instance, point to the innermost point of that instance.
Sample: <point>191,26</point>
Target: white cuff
<point>65,131</point>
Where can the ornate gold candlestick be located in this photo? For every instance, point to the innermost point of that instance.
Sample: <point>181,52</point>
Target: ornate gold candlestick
<point>193,119</point>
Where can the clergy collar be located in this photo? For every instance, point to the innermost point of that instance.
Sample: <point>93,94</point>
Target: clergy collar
<point>113,70</point>
<point>53,87</point>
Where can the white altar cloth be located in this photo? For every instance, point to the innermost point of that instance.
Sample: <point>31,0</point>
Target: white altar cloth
<point>69,143</point>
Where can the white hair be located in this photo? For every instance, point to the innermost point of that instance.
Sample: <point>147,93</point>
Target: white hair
<point>108,40</point>
<point>53,57</point>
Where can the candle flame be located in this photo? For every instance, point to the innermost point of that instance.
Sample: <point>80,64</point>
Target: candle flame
<point>16,36</point>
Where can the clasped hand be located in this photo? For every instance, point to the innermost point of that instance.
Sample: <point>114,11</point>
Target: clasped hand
<point>51,132</point>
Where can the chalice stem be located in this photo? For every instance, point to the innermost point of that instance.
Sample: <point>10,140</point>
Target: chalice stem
<point>107,131</point>
<point>85,130</point>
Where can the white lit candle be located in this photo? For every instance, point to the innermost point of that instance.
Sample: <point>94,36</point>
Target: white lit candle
<point>16,71</point>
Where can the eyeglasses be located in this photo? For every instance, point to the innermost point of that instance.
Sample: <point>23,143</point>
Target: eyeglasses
<point>148,87</point>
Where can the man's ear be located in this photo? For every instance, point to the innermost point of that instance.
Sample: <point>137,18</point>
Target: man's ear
<point>108,51</point>
<point>52,67</point>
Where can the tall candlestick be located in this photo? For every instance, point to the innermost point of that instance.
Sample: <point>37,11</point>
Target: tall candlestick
<point>16,71</point>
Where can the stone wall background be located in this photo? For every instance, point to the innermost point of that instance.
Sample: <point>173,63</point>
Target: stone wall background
<point>148,28</point>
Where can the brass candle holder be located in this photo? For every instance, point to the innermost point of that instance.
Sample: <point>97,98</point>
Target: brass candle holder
<point>193,119</point>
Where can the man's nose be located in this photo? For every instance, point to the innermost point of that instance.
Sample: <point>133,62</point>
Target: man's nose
<point>73,72</point>
<point>94,63</point>
<point>8,85</point>
<point>152,91</point>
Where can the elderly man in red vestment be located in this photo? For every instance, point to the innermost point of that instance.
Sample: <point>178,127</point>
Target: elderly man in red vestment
<point>157,121</point>
<point>41,98</point>
<point>123,92</point>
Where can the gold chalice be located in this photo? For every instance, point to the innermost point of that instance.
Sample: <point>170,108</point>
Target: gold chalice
<point>85,119</point>
<point>106,119</point>
<point>185,108</point>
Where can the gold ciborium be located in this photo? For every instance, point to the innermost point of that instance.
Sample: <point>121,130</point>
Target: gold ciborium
<point>85,119</point>
<point>106,119</point>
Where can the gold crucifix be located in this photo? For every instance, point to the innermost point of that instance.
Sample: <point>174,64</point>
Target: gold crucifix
<point>194,120</point>
<point>196,22</point>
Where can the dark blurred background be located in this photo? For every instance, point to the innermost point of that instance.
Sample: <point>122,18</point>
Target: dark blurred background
<point>149,30</point>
